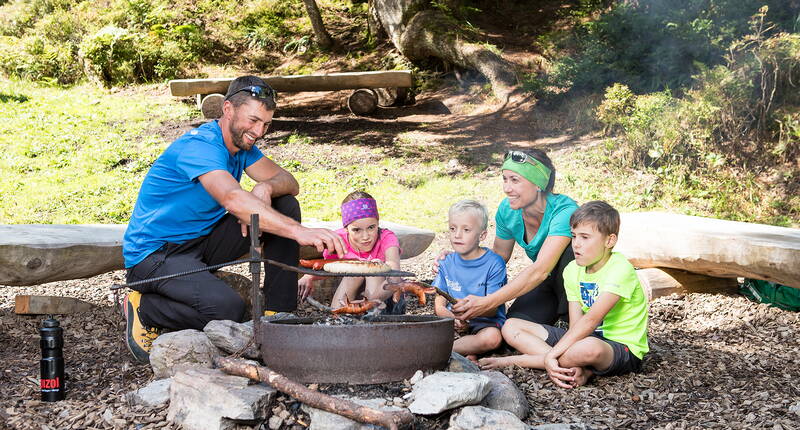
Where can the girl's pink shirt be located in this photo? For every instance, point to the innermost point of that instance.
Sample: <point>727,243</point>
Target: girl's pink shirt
<point>386,240</point>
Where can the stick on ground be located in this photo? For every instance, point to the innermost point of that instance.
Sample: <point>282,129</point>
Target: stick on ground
<point>345,408</point>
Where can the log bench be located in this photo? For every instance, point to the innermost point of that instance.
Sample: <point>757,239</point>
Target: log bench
<point>712,247</point>
<point>32,254</point>
<point>371,89</point>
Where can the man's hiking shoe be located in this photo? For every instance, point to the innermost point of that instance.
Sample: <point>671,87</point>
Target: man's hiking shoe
<point>138,337</point>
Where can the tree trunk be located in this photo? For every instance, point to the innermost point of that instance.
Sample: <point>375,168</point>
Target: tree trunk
<point>320,33</point>
<point>419,32</point>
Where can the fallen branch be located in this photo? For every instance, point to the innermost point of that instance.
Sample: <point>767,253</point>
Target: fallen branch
<point>345,408</point>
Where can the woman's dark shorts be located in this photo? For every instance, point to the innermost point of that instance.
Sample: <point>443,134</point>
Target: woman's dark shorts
<point>624,361</point>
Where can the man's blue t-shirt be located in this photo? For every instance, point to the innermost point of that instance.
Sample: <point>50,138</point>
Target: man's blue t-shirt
<point>479,277</point>
<point>173,206</point>
<point>555,222</point>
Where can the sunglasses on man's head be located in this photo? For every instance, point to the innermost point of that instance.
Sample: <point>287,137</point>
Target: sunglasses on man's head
<point>259,92</point>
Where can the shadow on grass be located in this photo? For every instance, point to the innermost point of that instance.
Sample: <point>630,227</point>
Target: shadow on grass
<point>5,98</point>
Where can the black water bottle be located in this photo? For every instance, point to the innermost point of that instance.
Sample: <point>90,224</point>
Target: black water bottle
<point>52,364</point>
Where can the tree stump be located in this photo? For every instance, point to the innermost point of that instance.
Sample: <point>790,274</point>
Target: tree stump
<point>212,106</point>
<point>362,102</point>
<point>391,96</point>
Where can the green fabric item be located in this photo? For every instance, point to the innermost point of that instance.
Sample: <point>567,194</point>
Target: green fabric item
<point>555,222</point>
<point>626,322</point>
<point>780,296</point>
<point>537,173</point>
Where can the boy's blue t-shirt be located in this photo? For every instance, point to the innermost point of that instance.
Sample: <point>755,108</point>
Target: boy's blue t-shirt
<point>555,222</point>
<point>479,277</point>
<point>172,205</point>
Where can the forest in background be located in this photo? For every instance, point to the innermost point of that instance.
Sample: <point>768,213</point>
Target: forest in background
<point>699,94</point>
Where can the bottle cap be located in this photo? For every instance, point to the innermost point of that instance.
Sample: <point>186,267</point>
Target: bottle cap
<point>50,323</point>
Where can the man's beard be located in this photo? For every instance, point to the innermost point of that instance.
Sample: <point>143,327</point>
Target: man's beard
<point>238,141</point>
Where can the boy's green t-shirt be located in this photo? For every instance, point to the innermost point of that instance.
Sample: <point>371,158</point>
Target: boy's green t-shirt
<point>555,222</point>
<point>626,322</point>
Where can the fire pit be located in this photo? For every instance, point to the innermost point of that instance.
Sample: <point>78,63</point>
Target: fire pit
<point>371,351</point>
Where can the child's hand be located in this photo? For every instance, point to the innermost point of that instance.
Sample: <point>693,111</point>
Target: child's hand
<point>441,256</point>
<point>461,325</point>
<point>560,376</point>
<point>305,286</point>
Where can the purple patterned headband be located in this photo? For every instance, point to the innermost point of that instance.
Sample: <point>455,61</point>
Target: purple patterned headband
<point>358,209</point>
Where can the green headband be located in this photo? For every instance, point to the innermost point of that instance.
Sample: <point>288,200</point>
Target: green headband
<point>537,172</point>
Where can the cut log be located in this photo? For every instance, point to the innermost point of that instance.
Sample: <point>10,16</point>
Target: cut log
<point>32,254</point>
<point>658,283</point>
<point>362,102</point>
<point>44,305</point>
<point>211,107</point>
<point>329,82</point>
<point>718,248</point>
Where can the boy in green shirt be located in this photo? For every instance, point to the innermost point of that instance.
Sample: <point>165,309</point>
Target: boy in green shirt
<point>607,310</point>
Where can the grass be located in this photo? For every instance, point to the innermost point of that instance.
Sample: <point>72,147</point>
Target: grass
<point>78,155</point>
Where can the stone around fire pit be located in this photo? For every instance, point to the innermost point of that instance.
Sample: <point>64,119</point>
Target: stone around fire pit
<point>209,399</point>
<point>482,418</point>
<point>185,347</point>
<point>504,395</point>
<point>447,390</point>
<point>322,420</point>
<point>152,395</point>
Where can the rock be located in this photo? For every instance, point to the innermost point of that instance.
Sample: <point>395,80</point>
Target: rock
<point>795,408</point>
<point>242,285</point>
<point>322,420</point>
<point>275,422</point>
<point>447,390</point>
<point>185,347</point>
<point>482,418</point>
<point>418,375</point>
<point>151,395</point>
<point>231,337</point>
<point>504,395</point>
<point>559,426</point>
<point>108,416</point>
<point>459,363</point>
<point>209,399</point>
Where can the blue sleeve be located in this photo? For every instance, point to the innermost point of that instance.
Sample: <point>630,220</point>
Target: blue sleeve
<point>496,278</point>
<point>253,155</point>
<point>501,229</point>
<point>559,223</point>
<point>198,158</point>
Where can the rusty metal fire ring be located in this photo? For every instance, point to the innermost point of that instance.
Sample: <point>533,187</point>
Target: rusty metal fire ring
<point>389,348</point>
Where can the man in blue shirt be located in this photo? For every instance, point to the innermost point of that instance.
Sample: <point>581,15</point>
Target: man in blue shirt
<point>192,212</point>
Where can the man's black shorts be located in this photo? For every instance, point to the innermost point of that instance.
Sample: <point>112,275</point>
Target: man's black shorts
<point>624,361</point>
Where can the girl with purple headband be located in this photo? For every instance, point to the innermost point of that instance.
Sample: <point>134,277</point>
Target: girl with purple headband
<point>363,240</point>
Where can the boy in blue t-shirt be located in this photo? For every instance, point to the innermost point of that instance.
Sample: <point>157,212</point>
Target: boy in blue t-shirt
<point>471,270</point>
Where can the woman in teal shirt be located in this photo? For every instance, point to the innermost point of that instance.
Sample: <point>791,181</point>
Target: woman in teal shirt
<point>538,220</point>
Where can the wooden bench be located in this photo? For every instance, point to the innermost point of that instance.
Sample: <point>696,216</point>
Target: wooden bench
<point>32,254</point>
<point>372,89</point>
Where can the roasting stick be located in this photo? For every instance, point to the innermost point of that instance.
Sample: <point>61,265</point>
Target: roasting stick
<point>311,301</point>
<point>315,399</point>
